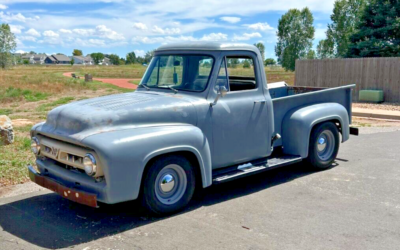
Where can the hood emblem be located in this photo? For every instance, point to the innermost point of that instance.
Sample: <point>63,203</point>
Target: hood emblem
<point>54,151</point>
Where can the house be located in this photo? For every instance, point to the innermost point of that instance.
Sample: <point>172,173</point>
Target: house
<point>50,60</point>
<point>58,59</point>
<point>105,61</point>
<point>34,58</point>
<point>84,60</point>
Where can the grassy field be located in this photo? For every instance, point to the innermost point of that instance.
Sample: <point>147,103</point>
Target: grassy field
<point>27,93</point>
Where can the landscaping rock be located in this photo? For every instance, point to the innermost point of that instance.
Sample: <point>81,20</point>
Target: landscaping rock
<point>6,130</point>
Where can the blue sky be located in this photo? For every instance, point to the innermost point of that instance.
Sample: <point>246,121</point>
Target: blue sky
<point>121,26</point>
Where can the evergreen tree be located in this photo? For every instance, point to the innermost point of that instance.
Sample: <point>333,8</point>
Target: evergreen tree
<point>379,31</point>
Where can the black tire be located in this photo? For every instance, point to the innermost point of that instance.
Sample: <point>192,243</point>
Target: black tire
<point>320,159</point>
<point>149,193</point>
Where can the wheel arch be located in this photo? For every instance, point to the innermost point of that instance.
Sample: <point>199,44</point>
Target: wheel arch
<point>202,172</point>
<point>299,123</point>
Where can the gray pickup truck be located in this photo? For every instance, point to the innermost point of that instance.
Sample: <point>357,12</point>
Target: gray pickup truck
<point>203,114</point>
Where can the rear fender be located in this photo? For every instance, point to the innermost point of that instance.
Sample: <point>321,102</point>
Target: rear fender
<point>298,124</point>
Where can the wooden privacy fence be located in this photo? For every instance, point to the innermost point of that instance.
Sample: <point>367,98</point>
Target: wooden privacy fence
<point>367,73</point>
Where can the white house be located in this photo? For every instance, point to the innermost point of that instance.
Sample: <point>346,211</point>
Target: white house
<point>84,60</point>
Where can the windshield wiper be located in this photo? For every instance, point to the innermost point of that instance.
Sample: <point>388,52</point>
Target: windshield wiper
<point>170,87</point>
<point>144,86</point>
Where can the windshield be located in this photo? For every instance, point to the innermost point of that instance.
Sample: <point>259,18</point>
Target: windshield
<point>179,72</point>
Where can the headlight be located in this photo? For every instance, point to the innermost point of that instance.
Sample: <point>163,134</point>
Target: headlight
<point>90,164</point>
<point>35,146</point>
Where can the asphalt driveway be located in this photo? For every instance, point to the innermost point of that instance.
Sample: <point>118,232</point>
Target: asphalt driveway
<point>354,205</point>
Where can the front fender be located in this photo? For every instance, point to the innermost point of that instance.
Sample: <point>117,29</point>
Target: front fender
<point>124,154</point>
<point>298,124</point>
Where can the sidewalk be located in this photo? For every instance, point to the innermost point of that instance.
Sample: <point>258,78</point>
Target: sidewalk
<point>376,113</point>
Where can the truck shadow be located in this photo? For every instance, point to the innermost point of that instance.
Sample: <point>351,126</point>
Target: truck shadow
<point>50,221</point>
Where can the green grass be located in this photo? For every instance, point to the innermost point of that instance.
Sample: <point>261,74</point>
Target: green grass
<point>48,106</point>
<point>5,111</point>
<point>136,82</point>
<point>13,161</point>
<point>17,93</point>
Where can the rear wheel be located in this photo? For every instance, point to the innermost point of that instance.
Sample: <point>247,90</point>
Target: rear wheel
<point>168,185</point>
<point>324,145</point>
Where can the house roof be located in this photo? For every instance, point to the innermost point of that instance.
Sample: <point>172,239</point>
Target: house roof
<point>62,58</point>
<point>51,58</point>
<point>83,58</point>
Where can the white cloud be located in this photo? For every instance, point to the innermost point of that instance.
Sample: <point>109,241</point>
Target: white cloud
<point>139,52</point>
<point>16,29</point>
<point>8,17</point>
<point>84,32</point>
<point>104,32</point>
<point>50,33</point>
<point>215,37</point>
<point>65,31</point>
<point>3,7</point>
<point>163,40</point>
<point>167,31</point>
<point>246,36</point>
<point>230,19</point>
<point>27,38</point>
<point>100,31</point>
<point>140,26</point>
<point>171,39</point>
<point>96,42</point>
<point>20,51</point>
<point>260,26</point>
<point>33,32</point>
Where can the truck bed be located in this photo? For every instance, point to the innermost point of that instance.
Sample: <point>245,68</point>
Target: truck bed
<point>286,98</point>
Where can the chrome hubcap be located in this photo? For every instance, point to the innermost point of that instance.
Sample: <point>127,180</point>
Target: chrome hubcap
<point>171,183</point>
<point>325,145</point>
<point>167,183</point>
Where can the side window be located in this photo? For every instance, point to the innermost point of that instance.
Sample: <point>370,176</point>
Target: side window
<point>222,79</point>
<point>205,67</point>
<point>241,73</point>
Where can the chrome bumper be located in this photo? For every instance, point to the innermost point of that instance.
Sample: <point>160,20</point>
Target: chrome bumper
<point>68,193</point>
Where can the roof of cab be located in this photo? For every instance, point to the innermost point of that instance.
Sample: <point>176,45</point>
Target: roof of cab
<point>216,46</point>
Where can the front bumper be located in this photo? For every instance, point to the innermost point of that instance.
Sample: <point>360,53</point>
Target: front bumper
<point>75,195</point>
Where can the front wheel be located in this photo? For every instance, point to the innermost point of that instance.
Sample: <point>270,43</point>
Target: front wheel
<point>168,185</point>
<point>324,145</point>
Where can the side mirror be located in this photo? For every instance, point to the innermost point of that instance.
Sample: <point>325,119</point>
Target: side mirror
<point>221,92</point>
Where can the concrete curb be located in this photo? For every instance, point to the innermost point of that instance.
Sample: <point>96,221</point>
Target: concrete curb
<point>377,115</point>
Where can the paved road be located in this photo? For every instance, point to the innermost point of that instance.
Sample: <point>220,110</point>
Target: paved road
<point>355,205</point>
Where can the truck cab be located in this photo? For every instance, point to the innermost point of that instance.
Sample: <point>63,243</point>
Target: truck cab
<point>203,114</point>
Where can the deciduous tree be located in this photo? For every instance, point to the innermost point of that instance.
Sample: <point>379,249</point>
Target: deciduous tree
<point>77,52</point>
<point>295,35</point>
<point>7,45</point>
<point>130,58</point>
<point>114,59</point>
<point>97,57</point>
<point>261,47</point>
<point>269,61</point>
<point>345,18</point>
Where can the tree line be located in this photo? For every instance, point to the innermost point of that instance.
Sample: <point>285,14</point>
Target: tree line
<point>359,28</point>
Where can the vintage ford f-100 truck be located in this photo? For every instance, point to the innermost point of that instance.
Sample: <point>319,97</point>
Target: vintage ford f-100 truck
<point>203,114</point>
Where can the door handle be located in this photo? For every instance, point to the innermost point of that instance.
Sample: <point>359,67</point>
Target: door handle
<point>259,101</point>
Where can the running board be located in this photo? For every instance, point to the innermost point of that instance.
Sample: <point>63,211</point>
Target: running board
<point>236,172</point>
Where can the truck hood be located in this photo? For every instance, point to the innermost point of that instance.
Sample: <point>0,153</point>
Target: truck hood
<point>80,119</point>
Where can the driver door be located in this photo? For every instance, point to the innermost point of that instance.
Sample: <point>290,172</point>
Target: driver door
<point>240,118</point>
